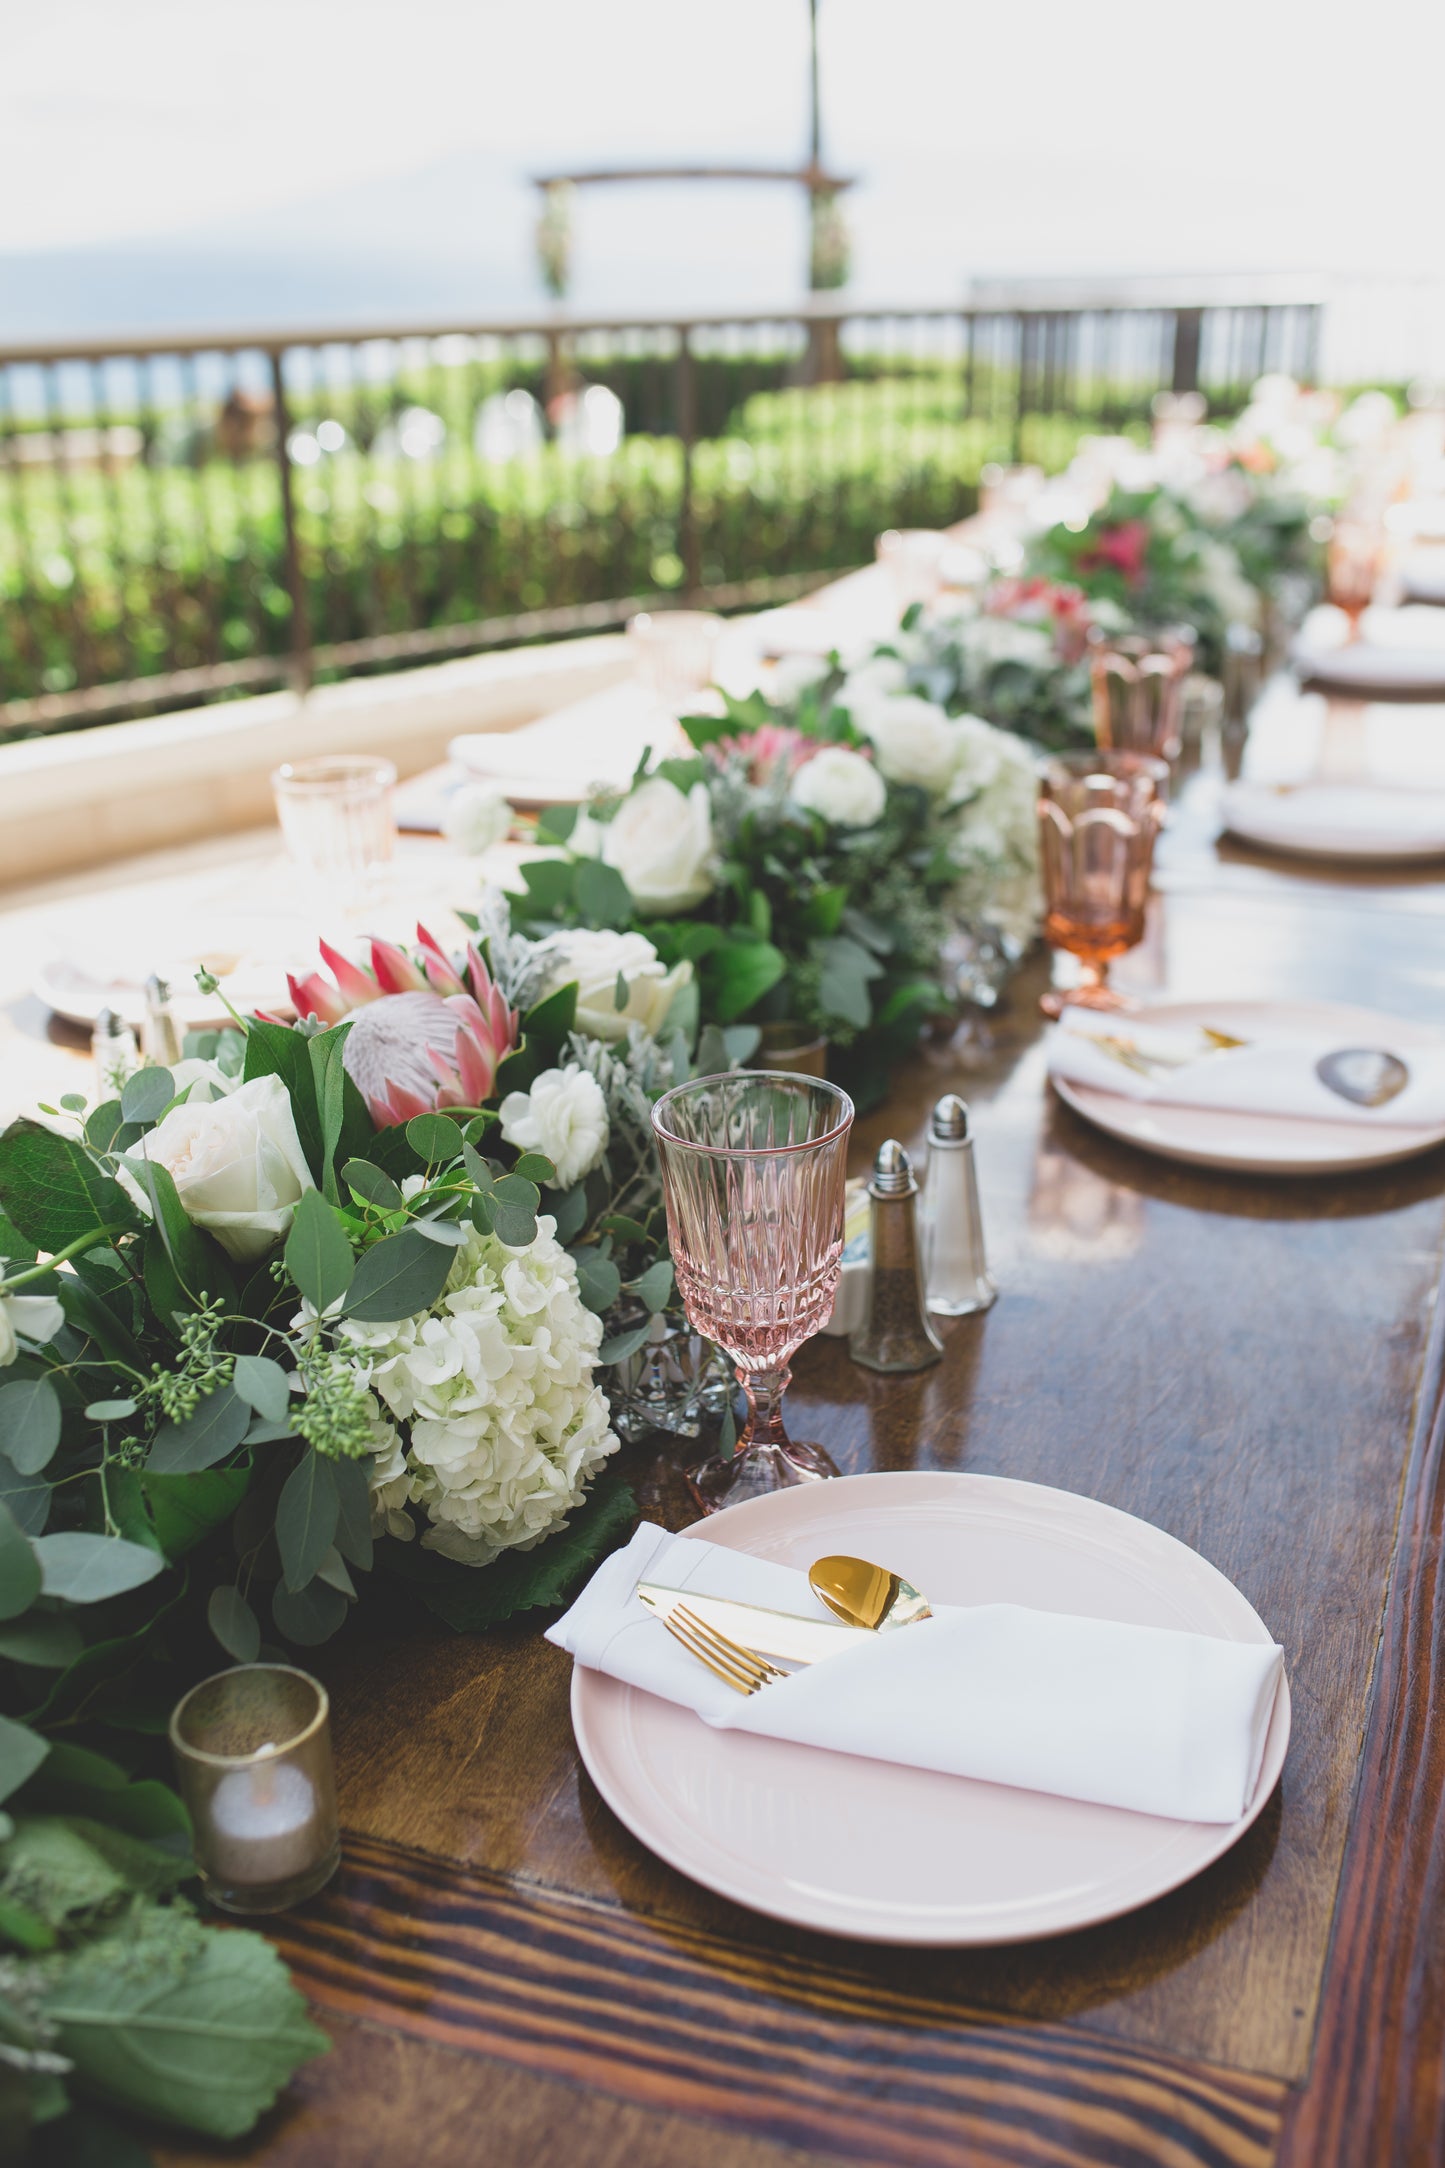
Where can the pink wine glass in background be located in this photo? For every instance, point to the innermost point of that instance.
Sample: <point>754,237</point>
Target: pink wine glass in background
<point>753,1166</point>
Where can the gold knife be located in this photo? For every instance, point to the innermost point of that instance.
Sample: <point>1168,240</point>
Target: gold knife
<point>769,1633</point>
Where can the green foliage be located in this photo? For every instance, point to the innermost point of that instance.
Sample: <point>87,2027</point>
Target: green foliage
<point>519,1580</point>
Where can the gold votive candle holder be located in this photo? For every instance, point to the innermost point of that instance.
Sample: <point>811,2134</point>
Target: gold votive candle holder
<point>252,1750</point>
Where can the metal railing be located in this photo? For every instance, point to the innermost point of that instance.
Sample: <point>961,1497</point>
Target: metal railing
<point>194,516</point>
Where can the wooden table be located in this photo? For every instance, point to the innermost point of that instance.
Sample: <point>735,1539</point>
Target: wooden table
<point>1254,1365</point>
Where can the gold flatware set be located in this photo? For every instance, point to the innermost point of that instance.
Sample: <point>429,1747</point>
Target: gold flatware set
<point>866,1599</point>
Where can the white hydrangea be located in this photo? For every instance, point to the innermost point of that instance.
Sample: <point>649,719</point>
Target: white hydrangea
<point>489,1419</point>
<point>914,741</point>
<point>564,1115</point>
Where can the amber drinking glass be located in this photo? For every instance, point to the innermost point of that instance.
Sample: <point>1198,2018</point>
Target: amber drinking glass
<point>1138,682</point>
<point>753,1167</point>
<point>1354,562</point>
<point>1098,816</point>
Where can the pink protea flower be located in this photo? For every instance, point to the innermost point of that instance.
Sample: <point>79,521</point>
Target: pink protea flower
<point>770,754</point>
<point>421,1036</point>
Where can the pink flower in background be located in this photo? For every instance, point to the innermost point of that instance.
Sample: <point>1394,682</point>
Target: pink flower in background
<point>1058,607</point>
<point>1124,548</point>
<point>769,755</point>
<point>421,1036</point>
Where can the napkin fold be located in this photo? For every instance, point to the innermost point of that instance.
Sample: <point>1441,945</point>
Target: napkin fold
<point>1273,1076</point>
<point>1163,1723</point>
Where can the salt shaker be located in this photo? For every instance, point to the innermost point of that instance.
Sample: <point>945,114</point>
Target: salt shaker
<point>894,1332</point>
<point>955,1268</point>
<point>160,1034</point>
<point>115,1052</point>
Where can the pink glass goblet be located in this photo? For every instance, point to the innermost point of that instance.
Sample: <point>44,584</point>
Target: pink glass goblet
<point>753,1166</point>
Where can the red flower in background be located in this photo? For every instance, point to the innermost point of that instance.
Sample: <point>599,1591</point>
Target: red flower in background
<point>1120,549</point>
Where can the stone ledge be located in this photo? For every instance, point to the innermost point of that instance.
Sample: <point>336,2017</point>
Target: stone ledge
<point>123,788</point>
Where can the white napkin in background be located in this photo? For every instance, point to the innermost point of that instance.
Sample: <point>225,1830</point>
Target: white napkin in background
<point>1125,1716</point>
<point>1275,1076</point>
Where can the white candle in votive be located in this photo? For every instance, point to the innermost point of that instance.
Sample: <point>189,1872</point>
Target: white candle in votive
<point>263,1825</point>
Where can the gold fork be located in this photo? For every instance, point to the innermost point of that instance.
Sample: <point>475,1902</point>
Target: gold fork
<point>743,1671</point>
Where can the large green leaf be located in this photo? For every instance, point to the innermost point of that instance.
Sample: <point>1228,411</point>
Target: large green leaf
<point>353,1517</point>
<point>277,1050</point>
<point>21,1753</point>
<point>216,1429</point>
<point>396,1278</point>
<point>54,1192</point>
<point>94,1316</point>
<point>263,1385</point>
<point>196,1263</point>
<point>470,1601</point>
<point>72,1871</point>
<point>318,1255</point>
<point>191,2025</point>
<point>29,1425</point>
<point>234,1624</point>
<point>737,976</point>
<point>73,1780</point>
<point>48,1640</point>
<point>19,1567</point>
<point>845,969</point>
<point>603,897</point>
<point>544,1033</point>
<point>185,1508</point>
<point>306,1515</point>
<point>310,1615</point>
<point>86,1569</point>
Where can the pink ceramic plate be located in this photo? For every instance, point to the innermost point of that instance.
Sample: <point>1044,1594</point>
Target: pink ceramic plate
<point>1264,1143</point>
<point>887,1854</point>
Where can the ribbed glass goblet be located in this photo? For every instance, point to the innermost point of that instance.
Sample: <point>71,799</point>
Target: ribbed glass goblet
<point>753,1167</point>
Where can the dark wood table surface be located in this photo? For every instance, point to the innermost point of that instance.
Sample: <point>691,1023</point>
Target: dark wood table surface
<point>1253,1364</point>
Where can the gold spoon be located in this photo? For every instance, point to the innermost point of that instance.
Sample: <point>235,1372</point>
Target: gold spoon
<point>864,1595</point>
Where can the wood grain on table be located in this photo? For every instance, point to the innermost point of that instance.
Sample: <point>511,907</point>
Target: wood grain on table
<point>1252,1365</point>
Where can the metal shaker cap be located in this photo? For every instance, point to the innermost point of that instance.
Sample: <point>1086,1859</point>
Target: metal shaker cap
<point>892,1171</point>
<point>950,1121</point>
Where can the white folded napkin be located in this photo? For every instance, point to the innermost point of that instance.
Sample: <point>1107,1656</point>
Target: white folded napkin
<point>1125,1716</point>
<point>1274,1076</point>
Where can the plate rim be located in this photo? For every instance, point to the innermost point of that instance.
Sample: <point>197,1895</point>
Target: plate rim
<point>798,1913</point>
<point>1342,853</point>
<point>1092,1105</point>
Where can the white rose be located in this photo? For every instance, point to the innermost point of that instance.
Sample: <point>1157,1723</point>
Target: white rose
<point>914,740</point>
<point>660,841</point>
<point>872,684</point>
<point>844,787</point>
<point>564,1115</point>
<point>201,1079</point>
<point>237,1164</point>
<point>596,960</point>
<point>475,817</point>
<point>26,1317</point>
<point>979,753</point>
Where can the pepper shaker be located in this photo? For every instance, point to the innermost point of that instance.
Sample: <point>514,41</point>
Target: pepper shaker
<point>116,1056</point>
<point>160,1034</point>
<point>894,1332</point>
<point>955,1266</point>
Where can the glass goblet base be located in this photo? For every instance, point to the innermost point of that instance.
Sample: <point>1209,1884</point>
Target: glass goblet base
<point>756,1470</point>
<point>1058,998</point>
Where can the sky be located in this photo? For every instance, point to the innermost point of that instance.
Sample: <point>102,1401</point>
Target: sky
<point>166,160</point>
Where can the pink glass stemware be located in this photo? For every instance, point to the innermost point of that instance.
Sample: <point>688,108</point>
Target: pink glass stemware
<point>753,1166</point>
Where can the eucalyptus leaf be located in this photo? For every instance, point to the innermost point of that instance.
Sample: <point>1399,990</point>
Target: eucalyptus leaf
<point>216,1429</point>
<point>535,1167</point>
<point>371,1185</point>
<point>445,1231</point>
<point>318,1255</point>
<point>598,1280</point>
<point>21,1753</point>
<point>514,1201</point>
<point>29,1424</point>
<point>569,1210</point>
<point>353,1517</point>
<point>655,1285</point>
<point>103,1125</point>
<point>436,1137</point>
<point>603,897</point>
<point>396,1278</point>
<point>47,1639</point>
<point>86,1569</point>
<point>623,1344</point>
<point>147,1094</point>
<point>306,1515</point>
<point>263,1385</point>
<point>19,1567</point>
<point>332,1570</point>
<point>234,1624</point>
<point>109,1411</point>
<point>310,1615</point>
<point>28,1497</point>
